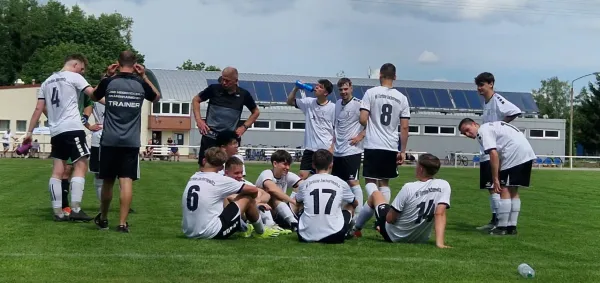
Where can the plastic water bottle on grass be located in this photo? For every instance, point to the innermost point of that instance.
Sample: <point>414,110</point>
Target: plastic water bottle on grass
<point>526,271</point>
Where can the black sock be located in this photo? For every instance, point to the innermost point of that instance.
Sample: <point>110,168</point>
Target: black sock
<point>511,228</point>
<point>494,219</point>
<point>65,192</point>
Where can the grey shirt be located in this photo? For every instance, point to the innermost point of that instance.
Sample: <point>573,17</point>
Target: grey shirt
<point>124,96</point>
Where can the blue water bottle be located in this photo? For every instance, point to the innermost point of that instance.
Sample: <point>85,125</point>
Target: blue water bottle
<point>304,86</point>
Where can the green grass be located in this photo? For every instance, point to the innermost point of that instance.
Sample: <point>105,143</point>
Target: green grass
<point>558,237</point>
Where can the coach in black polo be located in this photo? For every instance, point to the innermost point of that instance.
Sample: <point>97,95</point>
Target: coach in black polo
<point>226,102</point>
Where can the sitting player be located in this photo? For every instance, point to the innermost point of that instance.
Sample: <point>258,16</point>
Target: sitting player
<point>204,216</point>
<point>418,203</point>
<point>328,203</point>
<point>276,181</point>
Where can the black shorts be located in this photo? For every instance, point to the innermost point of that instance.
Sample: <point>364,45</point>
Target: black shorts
<point>517,176</point>
<point>119,162</point>
<point>306,161</point>
<point>205,143</point>
<point>380,164</point>
<point>230,221</point>
<point>69,145</point>
<point>485,175</point>
<point>347,168</point>
<point>95,159</point>
<point>337,238</point>
<point>380,214</point>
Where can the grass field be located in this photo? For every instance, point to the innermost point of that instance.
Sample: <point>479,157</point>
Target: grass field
<point>558,237</point>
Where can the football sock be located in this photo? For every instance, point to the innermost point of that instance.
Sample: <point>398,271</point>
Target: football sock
<point>514,211</point>
<point>77,186</point>
<point>243,225</point>
<point>494,203</point>
<point>365,214</point>
<point>370,187</point>
<point>292,195</point>
<point>286,213</point>
<point>65,192</point>
<point>258,226</point>
<point>54,186</point>
<point>267,218</point>
<point>387,193</point>
<point>358,194</point>
<point>504,212</point>
<point>98,184</point>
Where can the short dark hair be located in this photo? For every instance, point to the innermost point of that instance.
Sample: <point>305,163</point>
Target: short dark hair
<point>281,155</point>
<point>327,85</point>
<point>127,58</point>
<point>321,159</point>
<point>465,121</point>
<point>215,156</point>
<point>387,71</point>
<point>430,163</point>
<point>233,161</point>
<point>77,56</point>
<point>226,137</point>
<point>341,82</point>
<point>485,77</point>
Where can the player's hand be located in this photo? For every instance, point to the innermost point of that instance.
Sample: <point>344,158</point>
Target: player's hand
<point>240,131</point>
<point>442,246</point>
<point>497,187</point>
<point>400,158</point>
<point>140,69</point>
<point>292,201</point>
<point>265,206</point>
<point>26,137</point>
<point>112,69</point>
<point>94,127</point>
<point>203,127</point>
<point>356,139</point>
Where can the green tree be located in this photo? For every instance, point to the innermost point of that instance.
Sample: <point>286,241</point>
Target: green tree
<point>553,98</point>
<point>189,65</point>
<point>587,121</point>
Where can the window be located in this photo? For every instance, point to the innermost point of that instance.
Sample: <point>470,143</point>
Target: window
<point>298,125</point>
<point>431,130</point>
<point>178,139</point>
<point>185,108</point>
<point>283,125</point>
<point>440,130</point>
<point>447,130</point>
<point>176,108</point>
<point>21,126</point>
<point>171,108</point>
<point>165,108</point>
<point>261,125</point>
<point>156,108</point>
<point>4,125</point>
<point>544,134</point>
<point>411,129</point>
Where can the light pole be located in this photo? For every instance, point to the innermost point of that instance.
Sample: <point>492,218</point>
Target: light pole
<point>571,120</point>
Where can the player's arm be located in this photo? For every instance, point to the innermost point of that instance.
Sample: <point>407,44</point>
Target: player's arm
<point>509,110</point>
<point>254,112</point>
<point>365,110</point>
<point>291,99</point>
<point>270,187</point>
<point>403,134</point>
<point>249,190</point>
<point>440,225</point>
<point>487,138</point>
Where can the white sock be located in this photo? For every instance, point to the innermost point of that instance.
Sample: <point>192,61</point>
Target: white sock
<point>55,189</point>
<point>98,184</point>
<point>370,187</point>
<point>358,194</point>
<point>514,211</point>
<point>364,216</point>
<point>504,212</point>
<point>494,202</point>
<point>243,225</point>
<point>267,218</point>
<point>387,193</point>
<point>292,195</point>
<point>77,187</point>
<point>284,210</point>
<point>258,226</point>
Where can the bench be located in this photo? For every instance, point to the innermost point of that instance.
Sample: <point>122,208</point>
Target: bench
<point>161,152</point>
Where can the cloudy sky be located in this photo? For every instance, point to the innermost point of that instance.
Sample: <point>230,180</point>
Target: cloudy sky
<point>520,41</point>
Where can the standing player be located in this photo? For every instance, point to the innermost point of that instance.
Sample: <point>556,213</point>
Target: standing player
<point>60,93</point>
<point>511,159</point>
<point>409,218</point>
<point>349,133</point>
<point>202,203</point>
<point>319,118</point>
<point>383,108</point>
<point>496,108</point>
<point>226,101</point>
<point>327,201</point>
<point>124,93</point>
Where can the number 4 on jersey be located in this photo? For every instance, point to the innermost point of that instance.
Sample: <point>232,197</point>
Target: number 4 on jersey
<point>54,99</point>
<point>425,213</point>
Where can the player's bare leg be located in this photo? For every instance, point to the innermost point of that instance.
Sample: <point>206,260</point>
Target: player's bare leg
<point>504,210</point>
<point>55,189</point>
<point>125,197</point>
<point>80,168</point>
<point>101,219</point>
<point>375,198</point>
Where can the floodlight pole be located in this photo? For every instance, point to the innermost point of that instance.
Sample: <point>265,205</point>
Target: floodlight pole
<point>571,118</point>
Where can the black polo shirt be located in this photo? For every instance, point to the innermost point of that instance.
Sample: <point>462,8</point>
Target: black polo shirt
<point>225,109</point>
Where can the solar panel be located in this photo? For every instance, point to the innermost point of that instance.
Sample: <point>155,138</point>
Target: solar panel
<point>288,88</point>
<point>474,99</point>
<point>278,92</point>
<point>444,98</point>
<point>249,86</point>
<point>357,92</point>
<point>429,98</point>
<point>460,100</point>
<point>416,99</point>
<point>529,102</point>
<point>211,81</point>
<point>263,93</point>
<point>515,98</point>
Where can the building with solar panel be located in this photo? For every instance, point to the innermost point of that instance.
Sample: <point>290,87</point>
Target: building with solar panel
<point>437,108</point>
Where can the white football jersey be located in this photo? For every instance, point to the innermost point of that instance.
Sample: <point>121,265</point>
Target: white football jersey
<point>347,126</point>
<point>319,120</point>
<point>386,107</point>
<point>496,110</point>
<point>202,203</point>
<point>98,112</point>
<point>323,196</point>
<point>222,172</point>
<point>286,181</point>
<point>510,143</point>
<point>61,92</point>
<point>417,202</point>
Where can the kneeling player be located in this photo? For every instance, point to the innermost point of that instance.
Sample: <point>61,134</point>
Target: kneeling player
<point>202,202</point>
<point>275,181</point>
<point>322,196</point>
<point>409,218</point>
<point>511,159</point>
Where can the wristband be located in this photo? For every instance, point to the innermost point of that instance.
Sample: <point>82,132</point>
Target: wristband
<point>246,127</point>
<point>84,119</point>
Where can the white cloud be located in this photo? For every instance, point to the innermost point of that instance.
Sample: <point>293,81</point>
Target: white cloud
<point>428,57</point>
